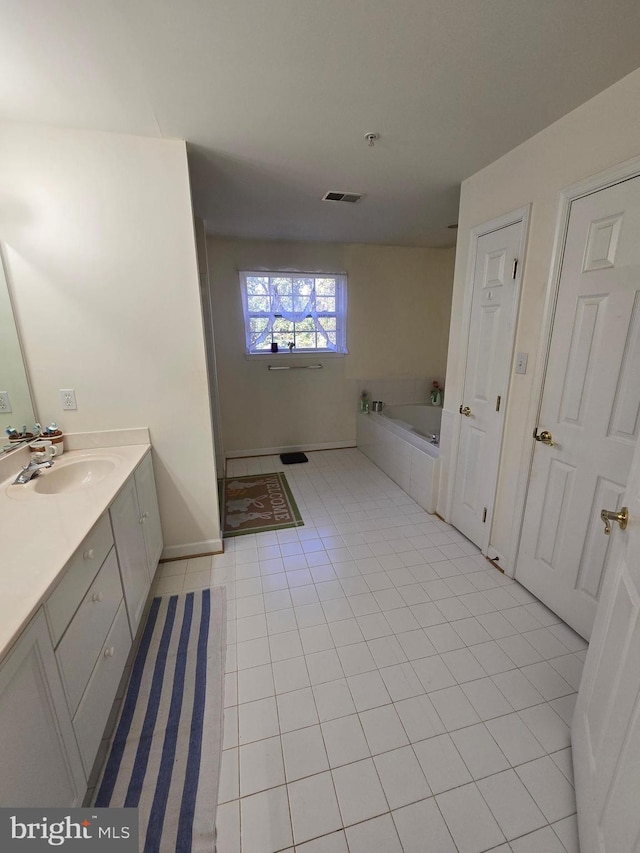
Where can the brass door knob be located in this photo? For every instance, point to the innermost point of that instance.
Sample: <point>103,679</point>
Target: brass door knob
<point>545,437</point>
<point>465,410</point>
<point>621,517</point>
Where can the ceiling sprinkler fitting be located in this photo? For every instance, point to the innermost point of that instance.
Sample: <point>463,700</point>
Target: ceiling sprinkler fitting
<point>372,138</point>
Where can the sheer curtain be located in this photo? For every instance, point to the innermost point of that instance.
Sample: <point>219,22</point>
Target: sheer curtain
<point>282,296</point>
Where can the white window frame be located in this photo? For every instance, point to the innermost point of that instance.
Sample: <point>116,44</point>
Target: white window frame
<point>340,312</point>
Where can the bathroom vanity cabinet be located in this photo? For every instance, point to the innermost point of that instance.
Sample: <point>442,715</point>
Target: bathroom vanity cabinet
<point>60,678</point>
<point>136,527</point>
<point>40,759</point>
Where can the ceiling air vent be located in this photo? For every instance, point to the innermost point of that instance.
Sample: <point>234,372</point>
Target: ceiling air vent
<point>352,198</point>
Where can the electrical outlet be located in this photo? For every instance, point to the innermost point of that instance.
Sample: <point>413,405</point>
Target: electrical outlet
<point>521,362</point>
<point>68,398</point>
<point>5,404</point>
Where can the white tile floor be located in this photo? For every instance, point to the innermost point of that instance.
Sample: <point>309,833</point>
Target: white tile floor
<point>387,689</point>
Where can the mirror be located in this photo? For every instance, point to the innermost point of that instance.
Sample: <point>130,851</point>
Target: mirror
<point>16,406</point>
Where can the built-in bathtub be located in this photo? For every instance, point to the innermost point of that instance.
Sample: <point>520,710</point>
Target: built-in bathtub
<point>398,440</point>
<point>422,420</point>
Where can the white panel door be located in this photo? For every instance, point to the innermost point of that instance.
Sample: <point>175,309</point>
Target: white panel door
<point>490,348</point>
<point>590,405</point>
<point>606,726</point>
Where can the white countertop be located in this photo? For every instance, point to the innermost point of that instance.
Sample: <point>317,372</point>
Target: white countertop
<point>39,533</point>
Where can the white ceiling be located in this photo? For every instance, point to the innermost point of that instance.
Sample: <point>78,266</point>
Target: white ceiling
<point>275,96</point>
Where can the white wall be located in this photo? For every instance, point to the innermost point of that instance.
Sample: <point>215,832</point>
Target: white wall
<point>97,232</point>
<point>398,317</point>
<point>601,133</point>
<point>207,325</point>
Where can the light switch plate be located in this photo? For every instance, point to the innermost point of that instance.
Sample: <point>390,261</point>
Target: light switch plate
<point>5,403</point>
<point>521,362</point>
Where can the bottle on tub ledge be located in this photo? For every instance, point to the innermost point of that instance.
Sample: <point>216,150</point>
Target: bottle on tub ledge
<point>436,393</point>
<point>364,402</point>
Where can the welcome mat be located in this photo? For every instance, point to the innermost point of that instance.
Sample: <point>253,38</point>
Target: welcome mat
<point>165,754</point>
<point>257,503</point>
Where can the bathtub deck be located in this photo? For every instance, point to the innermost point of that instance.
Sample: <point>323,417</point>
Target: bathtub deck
<point>409,459</point>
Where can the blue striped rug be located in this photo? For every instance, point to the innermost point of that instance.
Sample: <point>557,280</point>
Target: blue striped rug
<point>165,754</point>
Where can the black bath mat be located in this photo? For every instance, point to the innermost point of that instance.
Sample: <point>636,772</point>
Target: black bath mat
<point>293,458</point>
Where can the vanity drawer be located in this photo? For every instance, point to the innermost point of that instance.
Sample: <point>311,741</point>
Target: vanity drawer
<point>83,639</point>
<point>95,706</point>
<point>77,577</point>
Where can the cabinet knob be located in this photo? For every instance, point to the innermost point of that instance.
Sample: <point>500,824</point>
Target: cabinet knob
<point>145,515</point>
<point>89,555</point>
<point>141,520</point>
<point>108,653</point>
<point>97,596</point>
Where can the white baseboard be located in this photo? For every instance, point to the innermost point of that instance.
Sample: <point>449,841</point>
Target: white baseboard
<point>191,549</point>
<point>294,448</point>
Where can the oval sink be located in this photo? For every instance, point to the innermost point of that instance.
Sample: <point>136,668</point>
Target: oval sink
<point>73,475</point>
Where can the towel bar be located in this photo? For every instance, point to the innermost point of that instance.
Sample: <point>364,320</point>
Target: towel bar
<point>295,367</point>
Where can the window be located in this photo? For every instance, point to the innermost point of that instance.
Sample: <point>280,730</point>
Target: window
<point>303,309</point>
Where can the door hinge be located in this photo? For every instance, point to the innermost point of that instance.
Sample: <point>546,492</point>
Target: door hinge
<point>498,403</point>
<point>484,515</point>
<point>515,268</point>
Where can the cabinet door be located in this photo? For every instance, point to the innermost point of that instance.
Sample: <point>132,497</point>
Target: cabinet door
<point>126,521</point>
<point>94,709</point>
<point>40,759</point>
<point>83,639</point>
<point>148,501</point>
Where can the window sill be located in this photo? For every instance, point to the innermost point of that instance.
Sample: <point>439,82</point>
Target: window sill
<point>277,356</point>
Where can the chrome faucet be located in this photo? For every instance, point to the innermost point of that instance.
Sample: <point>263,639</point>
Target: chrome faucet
<point>31,470</point>
<point>435,438</point>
